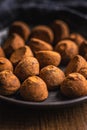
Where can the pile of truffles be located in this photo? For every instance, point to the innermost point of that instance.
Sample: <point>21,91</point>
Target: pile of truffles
<point>30,60</point>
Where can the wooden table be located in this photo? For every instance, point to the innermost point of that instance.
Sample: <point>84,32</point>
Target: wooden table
<point>18,118</point>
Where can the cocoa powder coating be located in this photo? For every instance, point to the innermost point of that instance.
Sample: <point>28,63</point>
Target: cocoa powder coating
<point>75,64</point>
<point>74,85</point>
<point>60,29</point>
<point>9,83</point>
<point>48,58</point>
<point>21,28</point>
<point>39,45</point>
<point>19,54</point>
<point>67,49</point>
<point>13,42</point>
<point>34,89</point>
<point>42,32</point>
<point>53,76</point>
<point>28,66</point>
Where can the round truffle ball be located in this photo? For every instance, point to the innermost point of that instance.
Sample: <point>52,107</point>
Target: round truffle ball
<point>2,54</point>
<point>9,83</point>
<point>67,49</point>
<point>20,28</point>
<point>39,45</point>
<point>19,54</point>
<point>42,32</point>
<point>74,85</point>
<point>13,42</point>
<point>60,29</point>
<point>28,66</point>
<point>5,64</point>
<point>75,64</point>
<point>77,38</point>
<point>34,89</point>
<point>48,58</point>
<point>52,76</point>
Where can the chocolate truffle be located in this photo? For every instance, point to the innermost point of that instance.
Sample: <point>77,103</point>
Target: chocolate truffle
<point>34,89</point>
<point>39,45</point>
<point>12,43</point>
<point>9,83</point>
<point>5,64</point>
<point>60,29</point>
<point>28,66</point>
<point>74,85</point>
<point>77,38</point>
<point>75,64</point>
<point>52,76</point>
<point>42,32</point>
<point>19,54</point>
<point>2,54</point>
<point>67,49</point>
<point>20,28</point>
<point>48,58</point>
<point>83,71</point>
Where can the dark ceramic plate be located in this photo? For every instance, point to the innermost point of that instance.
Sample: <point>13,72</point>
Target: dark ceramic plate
<point>76,22</point>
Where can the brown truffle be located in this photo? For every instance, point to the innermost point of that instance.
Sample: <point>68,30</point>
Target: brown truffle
<point>77,38</point>
<point>2,54</point>
<point>48,58</point>
<point>60,29</point>
<point>28,66</point>
<point>34,89</point>
<point>74,85</point>
<point>83,49</point>
<point>52,76</point>
<point>5,64</point>
<point>39,45</point>
<point>75,64</point>
<point>9,83</point>
<point>12,43</point>
<point>83,71</point>
<point>67,49</point>
<point>42,32</point>
<point>19,54</point>
<point>20,28</point>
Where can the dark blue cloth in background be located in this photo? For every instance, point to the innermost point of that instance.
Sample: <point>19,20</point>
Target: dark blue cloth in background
<point>9,9</point>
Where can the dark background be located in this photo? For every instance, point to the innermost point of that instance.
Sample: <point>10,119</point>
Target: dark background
<point>10,9</point>
<point>8,5</point>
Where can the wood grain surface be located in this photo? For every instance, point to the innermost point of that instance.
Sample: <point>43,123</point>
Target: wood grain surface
<point>18,118</point>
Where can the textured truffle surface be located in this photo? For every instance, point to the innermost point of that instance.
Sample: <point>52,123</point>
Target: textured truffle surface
<point>75,64</point>
<point>74,85</point>
<point>34,89</point>
<point>28,66</point>
<point>9,83</point>
<point>48,58</point>
<point>20,28</point>
<point>53,76</point>
<point>42,32</point>
<point>67,49</point>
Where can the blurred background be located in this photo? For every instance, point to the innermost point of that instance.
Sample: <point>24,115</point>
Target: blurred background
<point>10,9</point>
<point>7,5</point>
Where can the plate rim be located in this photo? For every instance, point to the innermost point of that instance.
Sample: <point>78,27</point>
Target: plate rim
<point>44,104</point>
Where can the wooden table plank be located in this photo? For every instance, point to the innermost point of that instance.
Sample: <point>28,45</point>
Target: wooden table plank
<point>16,118</point>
